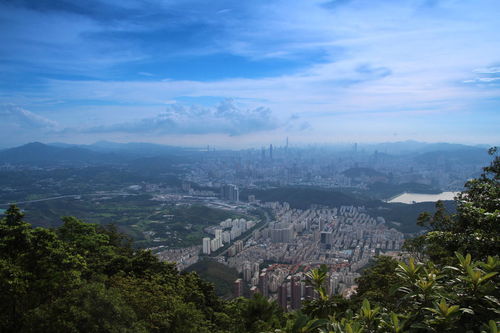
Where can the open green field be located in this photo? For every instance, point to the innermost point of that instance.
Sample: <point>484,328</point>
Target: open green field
<point>148,222</point>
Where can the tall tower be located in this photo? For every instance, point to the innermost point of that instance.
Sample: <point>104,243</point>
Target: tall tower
<point>238,288</point>
<point>271,151</point>
<point>206,245</point>
<point>283,296</point>
<point>264,285</point>
<point>296,291</point>
<point>230,192</point>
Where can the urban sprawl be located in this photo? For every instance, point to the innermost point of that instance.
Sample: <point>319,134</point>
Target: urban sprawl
<point>273,257</point>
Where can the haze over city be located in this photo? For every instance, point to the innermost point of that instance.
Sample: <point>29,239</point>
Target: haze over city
<point>249,166</point>
<point>239,74</point>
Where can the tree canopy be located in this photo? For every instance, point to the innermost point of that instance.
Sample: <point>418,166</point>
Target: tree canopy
<point>85,278</point>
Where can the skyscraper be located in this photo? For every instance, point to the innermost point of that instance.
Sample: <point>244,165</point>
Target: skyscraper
<point>206,245</point>
<point>230,192</point>
<point>296,291</point>
<point>263,285</point>
<point>283,296</point>
<point>218,238</point>
<point>238,288</point>
<point>281,232</point>
<point>239,246</point>
<point>247,271</point>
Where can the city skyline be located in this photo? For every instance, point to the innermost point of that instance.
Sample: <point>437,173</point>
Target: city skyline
<point>238,75</point>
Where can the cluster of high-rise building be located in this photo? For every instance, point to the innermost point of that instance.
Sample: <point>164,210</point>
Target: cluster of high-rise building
<point>226,233</point>
<point>326,167</point>
<point>230,192</point>
<point>289,286</point>
<point>344,238</point>
<point>211,245</point>
<point>281,232</point>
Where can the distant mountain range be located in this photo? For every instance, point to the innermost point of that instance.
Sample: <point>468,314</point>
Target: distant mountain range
<point>136,153</point>
<point>412,147</point>
<point>135,148</point>
<point>99,153</point>
<point>37,153</point>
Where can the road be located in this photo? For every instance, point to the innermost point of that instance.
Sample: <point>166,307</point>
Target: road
<point>65,196</point>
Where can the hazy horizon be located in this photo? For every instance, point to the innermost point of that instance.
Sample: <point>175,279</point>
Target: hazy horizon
<point>249,74</point>
<point>345,146</point>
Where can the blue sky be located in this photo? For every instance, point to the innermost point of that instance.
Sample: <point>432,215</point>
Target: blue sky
<point>247,73</point>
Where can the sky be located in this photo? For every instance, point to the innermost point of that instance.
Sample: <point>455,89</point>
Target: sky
<point>237,74</point>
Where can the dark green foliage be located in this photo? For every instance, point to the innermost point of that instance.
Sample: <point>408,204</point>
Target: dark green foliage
<point>304,197</point>
<point>86,278</point>
<point>35,267</point>
<point>258,314</point>
<point>378,282</point>
<point>317,278</point>
<point>323,308</point>
<point>427,298</point>
<point>405,215</point>
<point>219,274</point>
<point>474,229</point>
<point>90,308</point>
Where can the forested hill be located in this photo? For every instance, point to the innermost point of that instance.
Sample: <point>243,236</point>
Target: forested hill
<point>85,278</point>
<point>39,154</point>
<point>303,197</point>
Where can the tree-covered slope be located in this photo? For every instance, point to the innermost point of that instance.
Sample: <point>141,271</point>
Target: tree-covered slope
<point>222,276</point>
<point>304,197</point>
<point>84,278</point>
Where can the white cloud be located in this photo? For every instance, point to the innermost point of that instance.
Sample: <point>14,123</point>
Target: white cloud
<point>225,118</point>
<point>13,116</point>
<point>488,70</point>
<point>378,57</point>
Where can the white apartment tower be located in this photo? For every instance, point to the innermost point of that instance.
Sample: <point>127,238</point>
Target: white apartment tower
<point>206,245</point>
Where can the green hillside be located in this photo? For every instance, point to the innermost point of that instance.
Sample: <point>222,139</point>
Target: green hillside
<point>219,274</point>
<point>304,197</point>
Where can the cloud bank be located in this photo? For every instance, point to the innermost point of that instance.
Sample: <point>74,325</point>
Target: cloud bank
<point>226,118</point>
